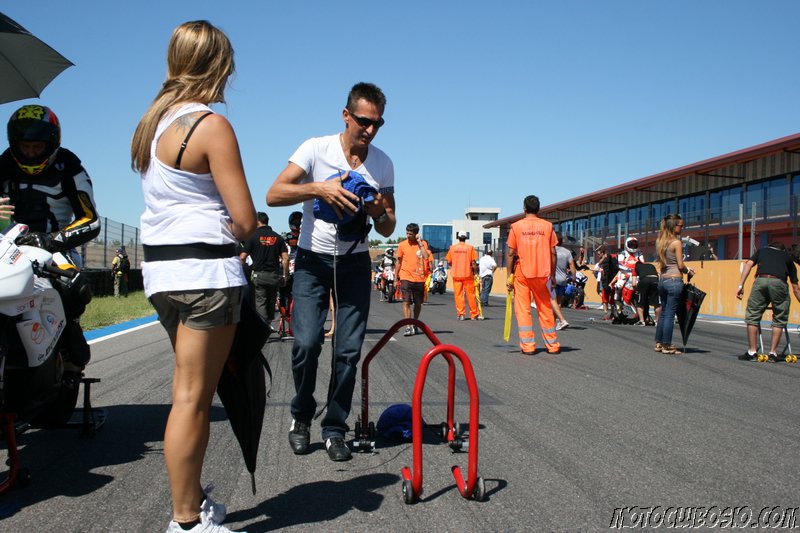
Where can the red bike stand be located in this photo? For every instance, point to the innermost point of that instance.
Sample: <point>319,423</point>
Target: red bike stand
<point>7,421</point>
<point>365,430</point>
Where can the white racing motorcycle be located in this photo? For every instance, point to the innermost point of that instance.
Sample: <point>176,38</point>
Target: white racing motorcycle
<point>39,294</point>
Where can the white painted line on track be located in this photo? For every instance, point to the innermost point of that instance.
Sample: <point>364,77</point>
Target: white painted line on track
<point>123,332</point>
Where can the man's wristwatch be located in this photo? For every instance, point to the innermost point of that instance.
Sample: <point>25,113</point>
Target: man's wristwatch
<point>381,218</point>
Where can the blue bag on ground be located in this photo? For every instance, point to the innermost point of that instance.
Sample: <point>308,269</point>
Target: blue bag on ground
<point>395,423</point>
<point>356,184</point>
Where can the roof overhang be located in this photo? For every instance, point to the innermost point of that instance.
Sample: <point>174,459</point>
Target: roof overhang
<point>789,143</point>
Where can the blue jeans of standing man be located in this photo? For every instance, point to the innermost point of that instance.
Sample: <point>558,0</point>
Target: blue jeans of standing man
<point>486,288</point>
<point>669,291</point>
<point>313,284</point>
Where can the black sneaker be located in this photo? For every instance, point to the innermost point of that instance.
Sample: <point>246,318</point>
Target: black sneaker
<point>337,449</point>
<point>746,357</point>
<point>299,437</point>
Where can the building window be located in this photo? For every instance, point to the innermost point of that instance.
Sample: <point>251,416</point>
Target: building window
<point>692,209</point>
<point>754,195</point>
<point>777,201</point>
<point>723,205</point>
<point>439,237</point>
<point>487,238</point>
<point>637,218</point>
<point>659,210</point>
<point>597,225</point>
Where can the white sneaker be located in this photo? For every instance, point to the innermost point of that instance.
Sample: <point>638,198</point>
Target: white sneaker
<point>562,325</point>
<point>211,511</point>
<point>200,528</point>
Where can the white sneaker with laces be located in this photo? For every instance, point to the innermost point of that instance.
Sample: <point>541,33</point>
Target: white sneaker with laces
<point>211,511</point>
<point>200,528</point>
<point>562,325</point>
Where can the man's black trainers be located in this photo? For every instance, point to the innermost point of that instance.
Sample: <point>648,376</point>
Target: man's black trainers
<point>337,449</point>
<point>746,357</point>
<point>299,437</point>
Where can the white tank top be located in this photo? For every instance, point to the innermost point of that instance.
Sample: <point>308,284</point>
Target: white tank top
<point>180,208</point>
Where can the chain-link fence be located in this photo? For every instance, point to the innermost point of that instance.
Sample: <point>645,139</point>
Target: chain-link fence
<point>99,252</point>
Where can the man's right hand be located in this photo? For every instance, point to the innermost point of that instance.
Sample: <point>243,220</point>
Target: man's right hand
<point>340,199</point>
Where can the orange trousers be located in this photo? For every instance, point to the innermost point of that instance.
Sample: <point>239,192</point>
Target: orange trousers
<point>459,286</point>
<point>524,288</point>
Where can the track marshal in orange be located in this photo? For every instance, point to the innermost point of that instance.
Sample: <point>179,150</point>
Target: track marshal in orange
<point>532,260</point>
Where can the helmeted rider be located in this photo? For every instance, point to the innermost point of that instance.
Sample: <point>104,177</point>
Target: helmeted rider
<point>627,260</point>
<point>52,194</point>
<point>439,273</point>
<point>387,262</point>
<point>49,188</point>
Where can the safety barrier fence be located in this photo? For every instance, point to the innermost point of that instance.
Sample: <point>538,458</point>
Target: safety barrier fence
<point>718,279</point>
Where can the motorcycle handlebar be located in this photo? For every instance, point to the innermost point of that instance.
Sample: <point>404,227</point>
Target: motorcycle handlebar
<point>59,272</point>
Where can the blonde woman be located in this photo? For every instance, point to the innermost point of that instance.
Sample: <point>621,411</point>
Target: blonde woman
<point>197,207</point>
<point>670,283</point>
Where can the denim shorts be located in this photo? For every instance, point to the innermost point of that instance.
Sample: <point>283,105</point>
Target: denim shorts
<point>198,309</point>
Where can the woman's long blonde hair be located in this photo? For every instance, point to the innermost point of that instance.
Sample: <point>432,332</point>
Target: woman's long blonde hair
<point>199,62</point>
<point>666,234</point>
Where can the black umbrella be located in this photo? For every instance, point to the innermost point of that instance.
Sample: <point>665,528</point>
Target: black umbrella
<point>688,309</point>
<point>27,64</point>
<point>242,386</point>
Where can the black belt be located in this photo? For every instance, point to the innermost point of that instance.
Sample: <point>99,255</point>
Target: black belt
<point>195,250</point>
<point>767,276</point>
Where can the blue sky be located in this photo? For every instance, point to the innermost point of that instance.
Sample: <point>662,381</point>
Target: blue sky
<point>487,101</point>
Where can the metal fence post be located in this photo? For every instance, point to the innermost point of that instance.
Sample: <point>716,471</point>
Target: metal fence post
<point>753,229</point>
<point>741,232</point>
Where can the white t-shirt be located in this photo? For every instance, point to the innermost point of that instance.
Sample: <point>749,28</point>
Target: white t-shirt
<point>321,158</point>
<point>181,208</point>
<point>486,265</point>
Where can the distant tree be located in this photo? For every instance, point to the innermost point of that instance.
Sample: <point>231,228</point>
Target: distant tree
<point>391,241</point>
<point>401,239</point>
<point>375,242</point>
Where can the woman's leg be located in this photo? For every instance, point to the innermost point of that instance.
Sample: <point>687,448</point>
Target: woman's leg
<point>199,359</point>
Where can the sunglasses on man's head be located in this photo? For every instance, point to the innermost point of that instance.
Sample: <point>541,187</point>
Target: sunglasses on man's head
<point>365,122</point>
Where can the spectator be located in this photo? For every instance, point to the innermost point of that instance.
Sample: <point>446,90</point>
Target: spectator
<point>197,207</point>
<point>532,260</point>
<point>291,238</point>
<point>322,264</point>
<point>120,267</point>
<point>775,266</point>
<point>270,268</point>
<point>602,269</point>
<point>412,258</point>
<point>565,271</point>
<point>486,267</point>
<point>462,259</point>
<point>670,284</point>
<point>646,279</point>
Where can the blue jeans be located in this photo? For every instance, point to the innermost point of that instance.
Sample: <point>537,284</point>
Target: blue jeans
<point>312,287</point>
<point>669,292</point>
<point>486,288</point>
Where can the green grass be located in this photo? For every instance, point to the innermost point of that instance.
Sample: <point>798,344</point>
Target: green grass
<point>106,310</point>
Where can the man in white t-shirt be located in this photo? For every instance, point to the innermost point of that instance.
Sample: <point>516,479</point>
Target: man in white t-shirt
<point>331,260</point>
<point>486,267</point>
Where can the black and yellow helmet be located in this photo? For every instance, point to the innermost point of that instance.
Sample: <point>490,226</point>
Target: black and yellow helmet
<point>34,123</point>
